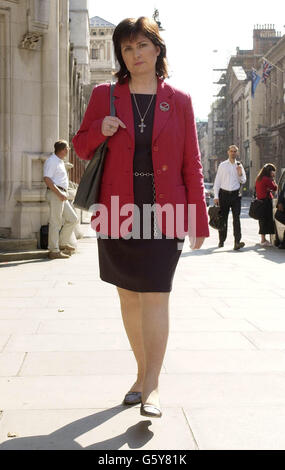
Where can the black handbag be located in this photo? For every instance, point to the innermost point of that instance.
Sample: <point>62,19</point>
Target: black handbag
<point>44,236</point>
<point>216,221</point>
<point>257,208</point>
<point>89,187</point>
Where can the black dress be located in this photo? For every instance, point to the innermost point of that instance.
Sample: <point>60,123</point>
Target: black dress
<point>137,264</point>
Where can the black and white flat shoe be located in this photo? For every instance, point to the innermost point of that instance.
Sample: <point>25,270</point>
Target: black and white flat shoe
<point>132,398</point>
<point>150,411</point>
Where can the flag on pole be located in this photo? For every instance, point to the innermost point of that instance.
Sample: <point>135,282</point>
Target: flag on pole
<point>255,79</point>
<point>267,67</point>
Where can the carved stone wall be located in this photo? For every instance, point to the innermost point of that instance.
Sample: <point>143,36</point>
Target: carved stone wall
<point>34,106</point>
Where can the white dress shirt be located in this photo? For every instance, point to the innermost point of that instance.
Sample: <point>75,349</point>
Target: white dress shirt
<point>54,168</point>
<point>227,177</point>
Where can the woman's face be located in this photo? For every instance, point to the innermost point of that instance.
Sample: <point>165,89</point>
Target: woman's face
<point>140,55</point>
<point>272,173</point>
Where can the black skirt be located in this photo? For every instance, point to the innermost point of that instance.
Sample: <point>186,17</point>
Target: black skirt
<point>266,224</point>
<point>141,265</point>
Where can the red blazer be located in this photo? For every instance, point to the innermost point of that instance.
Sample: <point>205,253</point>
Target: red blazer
<point>264,188</point>
<point>178,175</point>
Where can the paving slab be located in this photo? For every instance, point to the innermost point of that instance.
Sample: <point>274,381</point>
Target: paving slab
<point>238,428</point>
<point>249,315</point>
<point>23,302</point>
<point>95,429</point>
<point>267,340</point>
<point>19,326</point>
<point>84,326</point>
<point>96,302</point>
<point>222,389</point>
<point>3,341</point>
<point>236,293</point>
<point>78,363</point>
<point>208,340</point>
<point>10,364</point>
<point>14,292</point>
<point>64,392</point>
<point>185,362</point>
<point>216,324</point>
<point>270,324</point>
<point>67,342</point>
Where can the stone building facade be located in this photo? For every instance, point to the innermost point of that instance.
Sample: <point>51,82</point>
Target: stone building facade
<point>79,77</point>
<point>41,100</point>
<point>102,58</point>
<point>270,135</point>
<point>34,106</point>
<point>202,131</point>
<point>241,114</point>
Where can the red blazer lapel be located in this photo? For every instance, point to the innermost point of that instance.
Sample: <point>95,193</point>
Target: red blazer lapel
<point>123,105</point>
<point>163,107</point>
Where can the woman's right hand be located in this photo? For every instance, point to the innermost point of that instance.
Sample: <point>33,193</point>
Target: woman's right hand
<point>110,125</point>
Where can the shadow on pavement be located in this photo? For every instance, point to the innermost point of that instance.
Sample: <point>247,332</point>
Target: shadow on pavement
<point>135,436</point>
<point>11,264</point>
<point>270,253</point>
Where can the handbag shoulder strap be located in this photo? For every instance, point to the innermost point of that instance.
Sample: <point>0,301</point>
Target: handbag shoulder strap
<point>112,105</point>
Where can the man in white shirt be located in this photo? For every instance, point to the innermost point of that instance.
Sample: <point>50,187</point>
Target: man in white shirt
<point>62,218</point>
<point>227,195</point>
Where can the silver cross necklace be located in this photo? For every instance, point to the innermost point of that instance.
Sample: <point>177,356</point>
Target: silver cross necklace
<point>142,124</point>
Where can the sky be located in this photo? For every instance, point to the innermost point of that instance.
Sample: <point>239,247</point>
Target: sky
<point>199,36</point>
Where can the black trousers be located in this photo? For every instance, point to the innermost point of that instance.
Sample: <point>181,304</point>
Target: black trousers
<point>230,200</point>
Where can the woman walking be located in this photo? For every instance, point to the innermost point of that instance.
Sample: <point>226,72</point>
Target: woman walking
<point>264,186</point>
<point>153,157</point>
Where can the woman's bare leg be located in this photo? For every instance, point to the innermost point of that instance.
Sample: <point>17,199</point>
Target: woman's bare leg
<point>131,314</point>
<point>155,329</point>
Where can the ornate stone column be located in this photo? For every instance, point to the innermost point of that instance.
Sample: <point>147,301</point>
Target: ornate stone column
<point>50,80</point>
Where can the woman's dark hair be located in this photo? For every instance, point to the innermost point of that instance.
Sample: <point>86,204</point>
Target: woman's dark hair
<point>266,171</point>
<point>129,29</point>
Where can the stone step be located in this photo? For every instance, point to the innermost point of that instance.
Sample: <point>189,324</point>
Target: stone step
<point>5,232</point>
<point>17,244</point>
<point>7,256</point>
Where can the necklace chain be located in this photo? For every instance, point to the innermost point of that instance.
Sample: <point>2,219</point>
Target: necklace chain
<point>142,124</point>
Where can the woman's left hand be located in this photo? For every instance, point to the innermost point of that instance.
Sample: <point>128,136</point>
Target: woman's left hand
<point>196,243</point>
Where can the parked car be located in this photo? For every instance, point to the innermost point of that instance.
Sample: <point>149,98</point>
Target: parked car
<point>210,188</point>
<point>278,237</point>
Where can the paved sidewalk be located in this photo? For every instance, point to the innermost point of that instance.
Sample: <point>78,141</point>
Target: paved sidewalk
<point>65,361</point>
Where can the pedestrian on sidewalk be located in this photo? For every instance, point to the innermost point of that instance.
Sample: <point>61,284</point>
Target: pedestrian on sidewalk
<point>227,194</point>
<point>265,185</point>
<point>153,157</point>
<point>62,218</point>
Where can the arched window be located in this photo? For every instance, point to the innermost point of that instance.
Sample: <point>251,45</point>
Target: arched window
<point>94,54</point>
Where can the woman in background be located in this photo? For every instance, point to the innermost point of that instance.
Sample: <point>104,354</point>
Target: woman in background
<point>264,186</point>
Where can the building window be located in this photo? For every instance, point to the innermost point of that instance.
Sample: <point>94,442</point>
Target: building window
<point>95,54</point>
<point>247,107</point>
<point>94,33</point>
<point>247,129</point>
